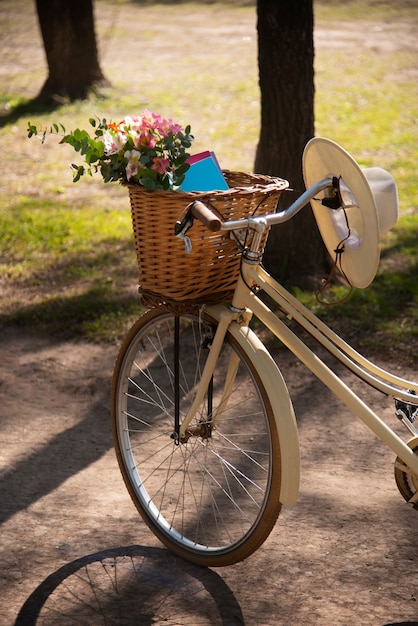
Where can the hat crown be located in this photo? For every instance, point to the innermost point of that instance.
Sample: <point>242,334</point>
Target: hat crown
<point>385,194</point>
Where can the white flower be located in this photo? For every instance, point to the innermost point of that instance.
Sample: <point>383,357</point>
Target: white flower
<point>113,142</point>
<point>132,168</point>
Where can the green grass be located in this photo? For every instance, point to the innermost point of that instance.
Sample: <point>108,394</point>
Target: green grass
<point>67,259</point>
<point>71,266</point>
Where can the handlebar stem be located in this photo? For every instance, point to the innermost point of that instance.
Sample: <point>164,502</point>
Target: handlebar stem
<point>258,226</point>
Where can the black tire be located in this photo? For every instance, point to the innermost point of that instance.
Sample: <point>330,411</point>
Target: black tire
<point>212,499</point>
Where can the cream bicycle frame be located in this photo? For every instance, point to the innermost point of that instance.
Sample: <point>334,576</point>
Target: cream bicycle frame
<point>236,319</point>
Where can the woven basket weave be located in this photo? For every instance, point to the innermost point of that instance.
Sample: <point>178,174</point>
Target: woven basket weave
<point>170,276</point>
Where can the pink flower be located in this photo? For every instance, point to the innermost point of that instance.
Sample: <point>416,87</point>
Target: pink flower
<point>160,165</point>
<point>145,140</point>
<point>150,121</point>
<point>168,127</point>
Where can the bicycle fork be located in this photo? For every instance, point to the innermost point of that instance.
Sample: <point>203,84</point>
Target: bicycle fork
<point>184,430</point>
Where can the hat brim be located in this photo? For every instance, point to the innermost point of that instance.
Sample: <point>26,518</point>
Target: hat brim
<point>323,158</point>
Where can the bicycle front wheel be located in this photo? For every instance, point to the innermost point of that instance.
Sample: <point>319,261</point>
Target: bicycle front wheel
<point>212,498</point>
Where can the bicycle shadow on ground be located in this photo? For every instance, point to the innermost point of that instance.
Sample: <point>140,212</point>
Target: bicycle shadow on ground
<point>131,585</point>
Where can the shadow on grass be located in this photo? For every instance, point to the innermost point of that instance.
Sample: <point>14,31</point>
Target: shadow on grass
<point>391,294</point>
<point>390,304</point>
<point>25,108</point>
<point>96,314</point>
<point>390,300</point>
<point>88,294</point>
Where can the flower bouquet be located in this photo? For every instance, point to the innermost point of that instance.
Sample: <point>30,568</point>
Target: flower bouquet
<point>146,150</point>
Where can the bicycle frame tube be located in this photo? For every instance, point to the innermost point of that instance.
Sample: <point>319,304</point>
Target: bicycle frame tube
<point>224,320</point>
<point>245,298</point>
<point>335,345</point>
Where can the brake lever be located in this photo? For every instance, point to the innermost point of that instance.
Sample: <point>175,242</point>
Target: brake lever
<point>181,227</point>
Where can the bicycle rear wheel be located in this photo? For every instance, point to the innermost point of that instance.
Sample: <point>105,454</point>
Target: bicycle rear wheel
<point>213,498</point>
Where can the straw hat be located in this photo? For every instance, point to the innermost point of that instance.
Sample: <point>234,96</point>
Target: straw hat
<point>366,207</point>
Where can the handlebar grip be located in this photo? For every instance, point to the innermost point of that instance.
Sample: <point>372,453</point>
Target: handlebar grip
<point>205,215</point>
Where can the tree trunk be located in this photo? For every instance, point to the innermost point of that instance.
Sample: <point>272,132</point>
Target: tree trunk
<point>295,250</point>
<point>67,28</point>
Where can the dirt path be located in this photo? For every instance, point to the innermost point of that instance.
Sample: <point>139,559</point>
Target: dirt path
<point>345,554</point>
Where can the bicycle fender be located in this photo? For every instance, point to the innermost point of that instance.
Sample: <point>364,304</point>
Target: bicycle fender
<point>281,403</point>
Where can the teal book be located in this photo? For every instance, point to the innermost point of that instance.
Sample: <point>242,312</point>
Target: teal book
<point>204,174</point>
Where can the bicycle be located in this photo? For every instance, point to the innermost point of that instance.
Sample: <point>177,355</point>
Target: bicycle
<point>203,424</point>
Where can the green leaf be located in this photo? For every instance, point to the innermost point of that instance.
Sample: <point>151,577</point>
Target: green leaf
<point>80,171</point>
<point>81,134</point>
<point>166,185</point>
<point>182,169</point>
<point>32,130</point>
<point>148,183</point>
<point>144,160</point>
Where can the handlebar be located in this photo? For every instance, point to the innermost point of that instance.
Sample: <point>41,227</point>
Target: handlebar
<point>206,216</point>
<point>200,211</point>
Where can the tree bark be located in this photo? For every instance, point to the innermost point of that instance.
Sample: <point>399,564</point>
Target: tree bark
<point>67,28</point>
<point>295,250</point>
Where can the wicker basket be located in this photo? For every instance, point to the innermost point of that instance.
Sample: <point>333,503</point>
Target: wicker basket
<point>170,276</point>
